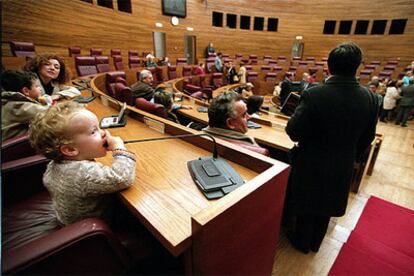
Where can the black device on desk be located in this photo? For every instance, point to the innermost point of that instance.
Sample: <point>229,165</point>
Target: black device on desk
<point>115,120</point>
<point>83,99</point>
<point>212,174</point>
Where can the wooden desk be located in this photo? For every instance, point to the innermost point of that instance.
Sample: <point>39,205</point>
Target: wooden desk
<point>166,200</point>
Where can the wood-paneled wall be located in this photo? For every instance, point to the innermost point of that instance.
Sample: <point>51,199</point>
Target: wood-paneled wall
<point>53,25</point>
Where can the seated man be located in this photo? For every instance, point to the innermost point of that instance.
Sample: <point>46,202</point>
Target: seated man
<point>227,118</point>
<point>143,88</point>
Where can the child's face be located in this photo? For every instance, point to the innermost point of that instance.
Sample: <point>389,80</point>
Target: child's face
<point>50,70</point>
<point>35,90</point>
<point>88,138</point>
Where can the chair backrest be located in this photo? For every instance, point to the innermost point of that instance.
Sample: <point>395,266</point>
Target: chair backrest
<point>392,62</point>
<point>320,64</point>
<point>248,68</point>
<point>110,81</point>
<point>172,72</point>
<point>310,58</point>
<point>272,62</point>
<point>16,148</point>
<point>270,76</point>
<point>118,62</point>
<point>153,108</point>
<point>133,53</point>
<point>267,58</point>
<point>85,66</point>
<point>213,55</point>
<point>375,62</point>
<point>115,52</point>
<point>22,49</point>
<point>74,51</point>
<point>159,75</point>
<point>217,80</point>
<point>390,67</point>
<point>370,66</point>
<point>385,74</point>
<point>96,52</point>
<point>277,68</point>
<point>281,58</point>
<point>134,61</point>
<point>102,64</point>
<point>303,64</point>
<point>181,61</point>
<point>252,56</point>
<point>186,71</point>
<point>265,68</point>
<point>296,58</point>
<point>238,56</point>
<point>252,76</point>
<point>225,55</point>
<point>210,63</point>
<point>123,93</point>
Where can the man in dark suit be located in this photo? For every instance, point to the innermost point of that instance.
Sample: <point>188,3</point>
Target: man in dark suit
<point>286,87</point>
<point>406,104</point>
<point>334,124</point>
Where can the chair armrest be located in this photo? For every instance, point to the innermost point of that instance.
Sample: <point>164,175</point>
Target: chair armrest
<point>22,178</point>
<point>16,148</point>
<point>84,247</point>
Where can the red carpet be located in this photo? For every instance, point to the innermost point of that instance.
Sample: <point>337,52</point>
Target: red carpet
<point>382,243</point>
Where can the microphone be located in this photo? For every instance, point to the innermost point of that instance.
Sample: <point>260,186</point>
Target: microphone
<point>215,155</point>
<point>213,175</point>
<point>82,99</point>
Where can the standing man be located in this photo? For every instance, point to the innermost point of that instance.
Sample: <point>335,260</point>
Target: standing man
<point>210,49</point>
<point>334,124</point>
<point>218,63</point>
<point>406,104</point>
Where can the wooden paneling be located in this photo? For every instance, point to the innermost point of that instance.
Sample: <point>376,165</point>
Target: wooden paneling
<point>53,25</point>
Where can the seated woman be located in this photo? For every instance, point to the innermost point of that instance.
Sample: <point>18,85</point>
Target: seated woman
<point>52,74</point>
<point>165,99</point>
<point>253,104</point>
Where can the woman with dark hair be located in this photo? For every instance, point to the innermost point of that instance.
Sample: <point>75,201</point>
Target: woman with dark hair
<point>253,104</point>
<point>53,74</point>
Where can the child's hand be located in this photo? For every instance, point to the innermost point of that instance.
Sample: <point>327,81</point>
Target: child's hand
<point>114,142</point>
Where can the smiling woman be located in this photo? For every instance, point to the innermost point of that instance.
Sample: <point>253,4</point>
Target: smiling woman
<point>52,73</point>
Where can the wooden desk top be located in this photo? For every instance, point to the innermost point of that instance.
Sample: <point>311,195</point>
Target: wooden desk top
<point>164,196</point>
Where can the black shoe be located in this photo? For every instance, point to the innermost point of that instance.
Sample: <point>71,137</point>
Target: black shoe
<point>296,244</point>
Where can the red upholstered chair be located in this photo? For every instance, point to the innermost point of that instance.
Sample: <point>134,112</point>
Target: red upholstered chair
<point>211,55</point>
<point>238,56</point>
<point>133,53</point>
<point>302,64</point>
<point>248,68</point>
<point>85,66</point>
<point>110,81</point>
<point>393,62</point>
<point>16,148</point>
<point>370,67</point>
<point>153,108</point>
<point>310,58</point>
<point>134,61</point>
<point>292,69</point>
<point>34,243</point>
<point>325,59</point>
<point>385,74</point>
<point>265,69</point>
<point>102,64</point>
<point>123,93</point>
<point>365,74</point>
<point>159,75</point>
<point>271,62</point>
<point>217,80</point>
<point>245,60</point>
<point>115,52</point>
<point>153,71</point>
<point>377,63</point>
<point>253,59</point>
<point>270,76</point>
<point>252,76</point>
<point>118,62</point>
<point>225,55</point>
<point>267,58</point>
<point>281,58</point>
<point>74,51</point>
<point>186,71</point>
<point>22,49</point>
<point>390,67</point>
<point>227,60</point>
<point>172,72</point>
<point>181,61</point>
<point>320,64</point>
<point>277,69</point>
<point>96,52</point>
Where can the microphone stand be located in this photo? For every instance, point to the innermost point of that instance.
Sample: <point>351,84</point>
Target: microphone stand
<point>82,99</point>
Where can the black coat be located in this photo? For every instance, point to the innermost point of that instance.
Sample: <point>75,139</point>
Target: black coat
<point>334,124</point>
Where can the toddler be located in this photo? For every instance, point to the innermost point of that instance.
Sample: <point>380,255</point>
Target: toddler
<point>19,102</point>
<point>79,186</point>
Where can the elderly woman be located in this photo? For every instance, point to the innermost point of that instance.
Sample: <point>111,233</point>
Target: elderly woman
<point>52,74</point>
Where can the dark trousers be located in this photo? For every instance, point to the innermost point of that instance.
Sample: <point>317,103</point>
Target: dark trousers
<point>402,115</point>
<point>309,232</point>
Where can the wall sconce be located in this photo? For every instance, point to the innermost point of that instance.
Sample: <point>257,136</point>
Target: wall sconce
<point>299,37</point>
<point>190,29</point>
<point>158,25</point>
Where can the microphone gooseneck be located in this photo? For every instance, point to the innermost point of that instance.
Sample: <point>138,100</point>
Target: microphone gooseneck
<point>84,87</point>
<point>215,154</point>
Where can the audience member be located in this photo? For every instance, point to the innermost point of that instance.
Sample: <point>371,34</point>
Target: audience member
<point>150,61</point>
<point>286,87</point>
<point>166,99</point>
<point>199,70</point>
<point>79,186</point>
<point>227,119</point>
<point>218,63</point>
<point>253,104</point>
<point>333,125</point>
<point>390,100</point>
<point>143,88</point>
<point>242,74</point>
<point>407,77</point>
<point>406,104</point>
<point>53,74</point>
<point>19,102</point>
<point>165,62</point>
<point>210,49</point>
<point>231,73</point>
